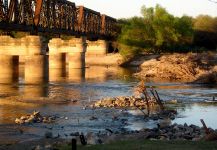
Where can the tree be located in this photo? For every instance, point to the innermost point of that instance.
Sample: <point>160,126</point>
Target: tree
<point>156,30</point>
<point>184,27</point>
<point>205,23</point>
<point>205,31</point>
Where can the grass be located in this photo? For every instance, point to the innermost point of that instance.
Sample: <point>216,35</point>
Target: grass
<point>150,145</point>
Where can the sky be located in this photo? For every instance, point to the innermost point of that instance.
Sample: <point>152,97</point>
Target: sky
<point>130,8</point>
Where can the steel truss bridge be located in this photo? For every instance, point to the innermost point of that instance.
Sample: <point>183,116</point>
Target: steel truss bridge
<point>55,17</point>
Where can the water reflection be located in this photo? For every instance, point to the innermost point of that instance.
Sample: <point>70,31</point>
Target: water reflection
<point>57,75</point>
<point>76,75</point>
<point>7,90</point>
<point>9,72</point>
<point>193,113</point>
<point>69,91</point>
<point>35,91</point>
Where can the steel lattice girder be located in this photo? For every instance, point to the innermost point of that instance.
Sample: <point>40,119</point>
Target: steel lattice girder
<point>54,16</point>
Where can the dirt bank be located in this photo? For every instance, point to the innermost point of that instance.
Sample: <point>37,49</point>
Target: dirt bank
<point>104,60</point>
<point>190,67</point>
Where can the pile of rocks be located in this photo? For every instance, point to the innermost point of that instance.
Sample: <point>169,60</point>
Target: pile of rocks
<point>129,101</point>
<point>162,132</point>
<point>179,132</point>
<point>35,117</point>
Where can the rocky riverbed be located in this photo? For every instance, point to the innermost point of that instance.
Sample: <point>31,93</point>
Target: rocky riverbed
<point>163,132</point>
<point>122,101</point>
<point>35,117</point>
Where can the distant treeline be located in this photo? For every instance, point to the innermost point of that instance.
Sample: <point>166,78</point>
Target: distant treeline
<point>158,31</point>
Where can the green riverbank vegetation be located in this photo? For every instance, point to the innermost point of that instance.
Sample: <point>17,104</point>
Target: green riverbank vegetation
<point>149,145</point>
<point>159,31</point>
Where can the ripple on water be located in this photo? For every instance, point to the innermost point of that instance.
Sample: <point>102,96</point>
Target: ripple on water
<point>16,99</point>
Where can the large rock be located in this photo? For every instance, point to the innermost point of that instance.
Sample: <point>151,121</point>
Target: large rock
<point>93,139</point>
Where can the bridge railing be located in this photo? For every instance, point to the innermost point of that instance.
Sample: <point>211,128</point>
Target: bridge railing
<point>89,21</point>
<point>58,16</point>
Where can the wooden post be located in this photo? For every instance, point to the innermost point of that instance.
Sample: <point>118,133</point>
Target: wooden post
<point>74,144</point>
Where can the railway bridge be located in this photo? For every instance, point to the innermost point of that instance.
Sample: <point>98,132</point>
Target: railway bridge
<point>88,33</point>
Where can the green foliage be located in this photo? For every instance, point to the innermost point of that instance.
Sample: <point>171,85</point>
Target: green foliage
<point>16,34</point>
<point>66,37</point>
<point>128,51</point>
<point>148,145</point>
<point>205,34</point>
<point>205,23</point>
<point>156,30</point>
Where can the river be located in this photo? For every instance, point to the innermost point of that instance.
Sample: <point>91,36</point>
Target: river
<point>67,97</point>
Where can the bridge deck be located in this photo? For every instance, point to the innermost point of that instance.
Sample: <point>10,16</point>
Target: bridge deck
<point>54,16</point>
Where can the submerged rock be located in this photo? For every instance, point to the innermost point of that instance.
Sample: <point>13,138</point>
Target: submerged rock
<point>93,139</point>
<point>48,135</point>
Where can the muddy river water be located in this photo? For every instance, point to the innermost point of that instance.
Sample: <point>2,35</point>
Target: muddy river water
<point>67,98</point>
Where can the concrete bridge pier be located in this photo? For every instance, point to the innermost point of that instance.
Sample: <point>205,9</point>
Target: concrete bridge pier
<point>76,59</point>
<point>36,61</point>
<point>76,53</point>
<point>99,47</point>
<point>96,52</point>
<point>9,68</point>
<point>36,69</point>
<point>57,59</point>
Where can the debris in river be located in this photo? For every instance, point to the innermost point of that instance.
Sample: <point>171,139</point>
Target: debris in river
<point>36,117</point>
<point>142,100</point>
<point>210,135</point>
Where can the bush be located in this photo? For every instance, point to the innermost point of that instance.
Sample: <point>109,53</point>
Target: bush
<point>156,31</point>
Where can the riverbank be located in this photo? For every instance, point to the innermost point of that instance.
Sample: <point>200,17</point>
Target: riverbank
<point>171,137</point>
<point>186,67</point>
<point>118,145</point>
<point>153,145</point>
<point>104,60</point>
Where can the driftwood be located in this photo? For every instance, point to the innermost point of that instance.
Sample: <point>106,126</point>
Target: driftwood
<point>204,126</point>
<point>210,135</point>
<point>157,98</point>
<point>141,89</point>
